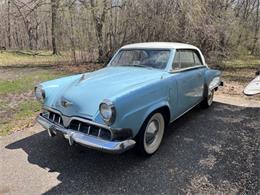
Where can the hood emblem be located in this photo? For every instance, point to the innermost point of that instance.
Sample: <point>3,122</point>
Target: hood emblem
<point>82,78</point>
<point>65,103</point>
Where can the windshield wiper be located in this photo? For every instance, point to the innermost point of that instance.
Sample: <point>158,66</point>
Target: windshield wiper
<point>137,65</point>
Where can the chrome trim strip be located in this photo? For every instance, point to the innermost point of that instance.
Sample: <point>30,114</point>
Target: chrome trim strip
<point>189,68</point>
<point>214,86</point>
<point>87,140</point>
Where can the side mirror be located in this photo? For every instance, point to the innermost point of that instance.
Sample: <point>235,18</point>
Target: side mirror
<point>257,73</point>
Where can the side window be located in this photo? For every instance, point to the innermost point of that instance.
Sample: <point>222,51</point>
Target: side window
<point>176,61</point>
<point>186,59</point>
<point>197,59</point>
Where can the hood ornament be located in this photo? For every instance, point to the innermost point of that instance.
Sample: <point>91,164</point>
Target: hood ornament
<point>82,78</point>
<point>65,103</point>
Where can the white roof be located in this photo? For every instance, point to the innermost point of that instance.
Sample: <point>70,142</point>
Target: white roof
<point>159,45</point>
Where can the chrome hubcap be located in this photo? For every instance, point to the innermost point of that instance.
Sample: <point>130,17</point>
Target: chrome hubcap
<point>154,133</point>
<point>210,97</point>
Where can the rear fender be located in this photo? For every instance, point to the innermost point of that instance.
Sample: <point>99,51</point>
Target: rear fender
<point>212,80</point>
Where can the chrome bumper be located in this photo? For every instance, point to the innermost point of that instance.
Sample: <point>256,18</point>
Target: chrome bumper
<point>86,140</point>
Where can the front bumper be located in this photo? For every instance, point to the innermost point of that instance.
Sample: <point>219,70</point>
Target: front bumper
<point>86,140</point>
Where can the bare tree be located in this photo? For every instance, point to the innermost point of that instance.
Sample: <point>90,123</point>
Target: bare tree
<point>257,26</point>
<point>54,9</point>
<point>8,24</point>
<point>93,29</point>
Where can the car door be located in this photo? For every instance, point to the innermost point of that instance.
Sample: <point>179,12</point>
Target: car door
<point>188,71</point>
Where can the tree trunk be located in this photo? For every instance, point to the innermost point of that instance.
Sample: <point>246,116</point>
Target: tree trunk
<point>30,37</point>
<point>46,36</point>
<point>72,37</point>
<point>99,23</point>
<point>8,25</point>
<point>254,50</point>
<point>54,7</point>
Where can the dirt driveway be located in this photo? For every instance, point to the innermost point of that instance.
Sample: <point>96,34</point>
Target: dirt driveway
<point>210,151</point>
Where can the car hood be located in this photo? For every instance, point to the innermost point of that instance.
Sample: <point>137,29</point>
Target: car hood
<point>84,94</point>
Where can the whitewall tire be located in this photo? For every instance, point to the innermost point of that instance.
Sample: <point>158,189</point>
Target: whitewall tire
<point>151,134</point>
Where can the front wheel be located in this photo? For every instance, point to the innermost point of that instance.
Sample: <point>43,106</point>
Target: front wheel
<point>151,134</point>
<point>207,102</point>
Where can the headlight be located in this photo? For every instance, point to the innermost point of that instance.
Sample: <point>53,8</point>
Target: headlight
<point>39,93</point>
<point>107,111</point>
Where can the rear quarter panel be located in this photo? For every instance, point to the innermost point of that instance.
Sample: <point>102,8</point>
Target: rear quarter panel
<point>210,74</point>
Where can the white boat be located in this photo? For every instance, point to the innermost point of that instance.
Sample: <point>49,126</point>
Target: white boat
<point>253,87</point>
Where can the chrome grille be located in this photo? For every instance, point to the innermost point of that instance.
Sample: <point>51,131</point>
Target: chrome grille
<point>54,117</point>
<point>90,129</point>
<point>77,125</point>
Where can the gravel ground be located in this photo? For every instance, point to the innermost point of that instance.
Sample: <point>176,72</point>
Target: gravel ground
<point>206,151</point>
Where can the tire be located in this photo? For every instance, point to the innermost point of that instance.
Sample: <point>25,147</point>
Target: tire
<point>151,134</point>
<point>208,100</point>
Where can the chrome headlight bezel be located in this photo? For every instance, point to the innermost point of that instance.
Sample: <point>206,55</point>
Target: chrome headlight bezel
<point>39,93</point>
<point>107,111</point>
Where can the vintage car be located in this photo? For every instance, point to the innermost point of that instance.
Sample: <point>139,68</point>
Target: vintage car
<point>144,87</point>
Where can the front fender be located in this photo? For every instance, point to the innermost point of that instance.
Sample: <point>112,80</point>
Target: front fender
<point>156,106</point>
<point>135,118</point>
<point>135,107</point>
<point>54,87</point>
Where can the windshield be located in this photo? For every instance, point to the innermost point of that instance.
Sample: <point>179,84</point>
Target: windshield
<point>151,58</point>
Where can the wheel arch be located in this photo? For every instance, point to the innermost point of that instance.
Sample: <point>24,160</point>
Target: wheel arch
<point>210,76</point>
<point>163,109</point>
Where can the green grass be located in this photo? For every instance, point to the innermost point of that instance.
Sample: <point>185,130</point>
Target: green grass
<point>20,58</point>
<point>243,62</point>
<point>3,104</point>
<point>26,83</point>
<point>28,109</point>
<point>20,113</point>
<point>22,118</point>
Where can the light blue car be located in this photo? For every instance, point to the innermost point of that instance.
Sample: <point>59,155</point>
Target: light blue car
<point>129,103</point>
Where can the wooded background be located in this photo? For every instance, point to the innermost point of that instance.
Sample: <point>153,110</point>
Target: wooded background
<point>91,30</point>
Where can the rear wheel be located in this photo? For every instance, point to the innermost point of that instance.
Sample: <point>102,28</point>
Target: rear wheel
<point>207,102</point>
<point>151,134</point>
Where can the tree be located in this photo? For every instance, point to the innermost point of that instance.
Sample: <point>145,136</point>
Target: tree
<point>257,26</point>
<point>94,29</point>
<point>8,24</point>
<point>54,8</point>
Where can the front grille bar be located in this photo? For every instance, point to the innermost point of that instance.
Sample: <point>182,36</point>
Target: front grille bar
<point>78,125</point>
